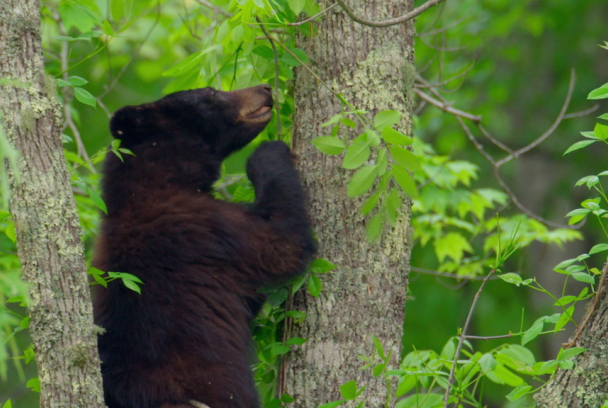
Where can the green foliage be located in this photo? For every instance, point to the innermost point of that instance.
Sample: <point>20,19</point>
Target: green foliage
<point>108,54</point>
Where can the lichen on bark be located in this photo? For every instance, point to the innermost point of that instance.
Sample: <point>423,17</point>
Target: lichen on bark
<point>46,222</point>
<point>366,294</point>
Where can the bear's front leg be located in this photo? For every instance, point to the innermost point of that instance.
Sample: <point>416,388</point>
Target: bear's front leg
<point>280,199</point>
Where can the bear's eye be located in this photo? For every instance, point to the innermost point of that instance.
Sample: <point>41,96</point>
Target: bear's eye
<point>212,92</point>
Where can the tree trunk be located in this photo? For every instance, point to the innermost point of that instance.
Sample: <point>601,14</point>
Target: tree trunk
<point>46,222</point>
<point>585,385</point>
<point>373,69</point>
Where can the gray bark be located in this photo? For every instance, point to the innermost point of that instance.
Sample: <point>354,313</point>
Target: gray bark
<point>365,295</point>
<point>585,385</point>
<point>46,222</point>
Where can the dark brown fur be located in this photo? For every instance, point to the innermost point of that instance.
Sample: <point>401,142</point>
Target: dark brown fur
<point>202,261</point>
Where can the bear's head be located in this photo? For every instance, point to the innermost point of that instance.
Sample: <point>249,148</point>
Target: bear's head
<point>223,122</point>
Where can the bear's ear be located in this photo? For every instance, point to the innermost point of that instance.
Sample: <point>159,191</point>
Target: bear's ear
<point>126,124</point>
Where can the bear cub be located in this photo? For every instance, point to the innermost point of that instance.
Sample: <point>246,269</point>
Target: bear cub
<point>187,337</point>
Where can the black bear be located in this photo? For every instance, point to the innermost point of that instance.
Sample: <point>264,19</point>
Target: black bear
<point>187,336</point>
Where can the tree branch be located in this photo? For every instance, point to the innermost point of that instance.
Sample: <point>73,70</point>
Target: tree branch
<point>394,21</point>
<point>440,102</point>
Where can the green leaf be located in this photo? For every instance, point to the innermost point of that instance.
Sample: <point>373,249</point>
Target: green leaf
<point>10,232</point>
<point>129,284</point>
<point>314,285</point>
<point>373,229</point>
<point>264,52</point>
<point>511,278</point>
<point>406,384</point>
<point>430,400</point>
<point>577,215</point>
<point>583,277</point>
<point>601,131</point>
<point>237,34</point>
<point>378,347</point>
<point>277,297</point>
<point>8,404</point>
<point>107,28</point>
<point>370,203</point>
<point>378,369</point>
<point>295,341</point>
<point>487,362</point>
<point>452,245</point>
<point>222,31</point>
<point>77,81</point>
<point>34,384</point>
<point>332,404</point>
<point>518,392</point>
<point>329,145</point>
<point>321,265</point>
<point>405,158</point>
<point>599,93</point>
<point>532,332</point>
<point>502,375</point>
<point>390,135</point>
<point>392,204</point>
<point>571,352</point>
<point>97,200</point>
<point>85,97</point>
<point>61,82</point>
<point>280,350</point>
<point>356,154</point>
<point>333,120</point>
<point>603,117</point>
<point>287,399</point>
<point>598,248</point>
<point>362,181</point>
<point>579,145</point>
<point>349,122</point>
<point>296,6</point>
<point>300,55</point>
<point>564,318</point>
<point>405,181</point>
<point>349,390</point>
<point>386,118</point>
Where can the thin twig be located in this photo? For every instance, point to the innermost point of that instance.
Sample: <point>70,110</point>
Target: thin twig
<point>462,338</point>
<point>446,107</point>
<point>276,77</point>
<point>582,113</point>
<point>394,21</point>
<point>485,338</point>
<point>308,20</point>
<point>474,140</point>
<point>492,139</point>
<point>441,103</point>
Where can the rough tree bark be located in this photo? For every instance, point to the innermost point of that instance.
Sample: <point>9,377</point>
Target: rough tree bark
<point>373,69</point>
<point>585,385</point>
<point>46,222</point>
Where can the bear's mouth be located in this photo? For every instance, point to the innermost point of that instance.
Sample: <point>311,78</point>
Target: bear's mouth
<point>262,113</point>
